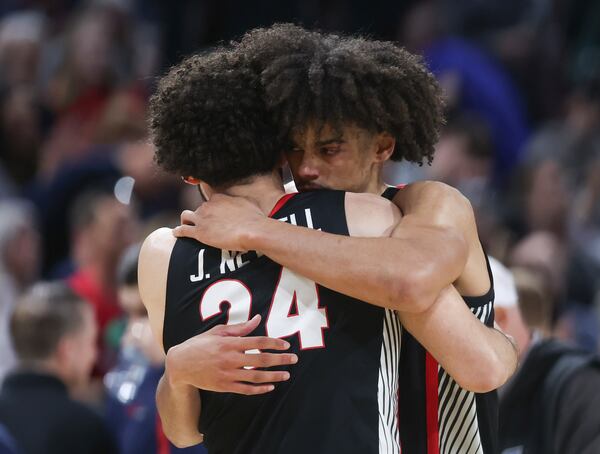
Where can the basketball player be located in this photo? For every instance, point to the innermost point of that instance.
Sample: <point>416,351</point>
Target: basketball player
<point>209,121</point>
<point>349,105</point>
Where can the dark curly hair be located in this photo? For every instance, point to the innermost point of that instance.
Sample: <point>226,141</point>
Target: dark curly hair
<point>208,120</point>
<point>310,76</point>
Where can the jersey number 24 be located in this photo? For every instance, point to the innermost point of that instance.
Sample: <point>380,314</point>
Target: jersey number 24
<point>291,290</point>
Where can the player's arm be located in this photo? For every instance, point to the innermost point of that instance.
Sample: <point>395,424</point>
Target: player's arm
<point>178,403</point>
<point>213,360</point>
<point>439,207</point>
<point>436,204</point>
<point>405,272</point>
<point>478,357</point>
<point>179,411</point>
<point>153,268</point>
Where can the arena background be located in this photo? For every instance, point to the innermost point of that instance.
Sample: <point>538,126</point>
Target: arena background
<point>78,185</point>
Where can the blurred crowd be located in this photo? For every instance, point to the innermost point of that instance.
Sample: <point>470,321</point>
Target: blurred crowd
<point>79,189</point>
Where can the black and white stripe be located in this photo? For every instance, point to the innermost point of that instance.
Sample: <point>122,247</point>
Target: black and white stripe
<point>457,410</point>
<point>387,395</point>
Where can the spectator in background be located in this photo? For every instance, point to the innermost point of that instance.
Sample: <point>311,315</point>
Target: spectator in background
<point>101,229</point>
<point>20,133</point>
<point>570,281</point>
<point>464,158</point>
<point>54,335</point>
<point>19,267</point>
<point>21,35</point>
<point>472,80</point>
<point>131,385</point>
<point>562,174</point>
<point>551,404</point>
<point>94,68</point>
<point>574,139</point>
<point>586,233</point>
<point>104,168</point>
<point>541,199</point>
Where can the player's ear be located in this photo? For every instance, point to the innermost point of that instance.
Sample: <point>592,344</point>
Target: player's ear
<point>191,180</point>
<point>385,143</point>
<point>204,188</point>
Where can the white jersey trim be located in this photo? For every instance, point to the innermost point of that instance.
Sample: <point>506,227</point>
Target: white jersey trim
<point>387,395</point>
<point>457,410</point>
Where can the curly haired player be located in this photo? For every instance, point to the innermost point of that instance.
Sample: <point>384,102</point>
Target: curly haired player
<point>346,105</point>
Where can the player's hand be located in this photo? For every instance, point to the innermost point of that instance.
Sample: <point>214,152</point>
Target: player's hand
<point>223,222</point>
<point>216,360</point>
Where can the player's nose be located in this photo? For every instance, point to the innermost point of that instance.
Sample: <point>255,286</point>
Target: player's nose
<point>308,170</point>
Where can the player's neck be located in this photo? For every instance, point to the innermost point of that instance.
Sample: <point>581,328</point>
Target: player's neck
<point>375,185</point>
<point>263,190</point>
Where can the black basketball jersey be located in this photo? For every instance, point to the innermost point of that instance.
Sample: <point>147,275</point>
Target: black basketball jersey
<point>437,416</point>
<point>342,394</point>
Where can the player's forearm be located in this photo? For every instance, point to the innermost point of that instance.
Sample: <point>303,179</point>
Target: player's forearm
<point>445,210</point>
<point>479,358</point>
<point>440,253</point>
<point>387,272</point>
<point>179,410</point>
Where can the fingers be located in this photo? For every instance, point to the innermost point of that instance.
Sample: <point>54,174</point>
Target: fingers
<point>259,343</point>
<point>238,330</point>
<point>252,382</point>
<point>249,390</point>
<point>187,227</point>
<point>261,376</point>
<point>187,217</point>
<point>184,231</point>
<point>266,359</point>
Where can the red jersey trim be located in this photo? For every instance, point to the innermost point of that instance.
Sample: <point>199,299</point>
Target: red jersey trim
<point>431,396</point>
<point>281,202</point>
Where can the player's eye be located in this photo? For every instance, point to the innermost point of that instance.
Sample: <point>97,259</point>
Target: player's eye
<point>330,151</point>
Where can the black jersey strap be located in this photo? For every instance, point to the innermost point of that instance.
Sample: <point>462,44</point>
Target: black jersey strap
<point>391,191</point>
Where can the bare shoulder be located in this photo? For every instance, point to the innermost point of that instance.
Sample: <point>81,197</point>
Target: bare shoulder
<point>155,254</point>
<point>432,190</point>
<point>439,205</point>
<point>153,267</point>
<point>160,242</point>
<point>445,205</point>
<point>370,215</point>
